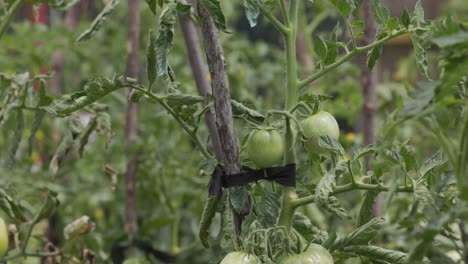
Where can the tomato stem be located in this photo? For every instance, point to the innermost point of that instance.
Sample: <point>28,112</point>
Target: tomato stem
<point>289,193</point>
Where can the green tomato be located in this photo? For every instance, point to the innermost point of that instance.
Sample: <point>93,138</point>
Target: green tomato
<point>315,254</point>
<point>320,124</point>
<point>239,258</point>
<point>3,238</point>
<point>265,147</point>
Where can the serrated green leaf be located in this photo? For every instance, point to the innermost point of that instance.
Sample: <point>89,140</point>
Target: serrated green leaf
<point>11,207</point>
<point>367,208</point>
<point>62,149</point>
<point>209,211</point>
<point>325,188</point>
<point>251,11</point>
<point>405,18</point>
<point>331,144</point>
<point>239,197</point>
<point>373,55</point>
<point>432,229</point>
<point>334,207</point>
<point>380,12</point>
<point>268,208</point>
<point>48,207</point>
<point>345,7</point>
<point>378,254</point>
<point>153,5</point>
<point>183,99</point>
<point>78,100</point>
<point>17,136</point>
<point>241,110</point>
<point>311,233</point>
<point>362,152</point>
<point>431,163</point>
<point>320,48</point>
<point>361,235</point>
<point>151,59</point>
<point>98,21</point>
<point>214,9</point>
<point>84,136</point>
<point>183,8</point>
<point>165,36</point>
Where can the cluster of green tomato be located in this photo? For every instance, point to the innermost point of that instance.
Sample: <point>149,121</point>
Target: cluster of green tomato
<point>265,147</point>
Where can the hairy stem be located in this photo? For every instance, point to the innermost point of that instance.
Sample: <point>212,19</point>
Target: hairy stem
<point>287,210</point>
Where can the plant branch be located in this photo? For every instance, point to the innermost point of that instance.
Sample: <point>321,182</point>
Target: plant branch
<point>350,187</point>
<point>346,58</point>
<point>284,11</point>
<point>9,16</point>
<point>282,28</point>
<point>187,129</point>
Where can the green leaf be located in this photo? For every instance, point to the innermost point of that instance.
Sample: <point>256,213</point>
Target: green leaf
<point>214,9</point>
<point>334,207</point>
<point>11,207</point>
<point>209,211</point>
<point>405,19</point>
<point>303,226</point>
<point>98,21</point>
<point>325,188</point>
<point>84,136</point>
<point>251,11</point>
<point>331,144</point>
<point>451,39</point>
<point>94,90</point>
<point>434,161</point>
<point>378,254</point>
<point>239,198</point>
<point>332,52</point>
<point>362,152</point>
<point>62,149</point>
<point>432,229</point>
<point>367,208</point>
<point>48,207</point>
<point>153,5</point>
<point>17,135</point>
<point>361,235</point>
<point>422,195</point>
<point>320,48</point>
<point>345,7</point>
<point>151,59</point>
<point>380,12</point>
<point>268,208</point>
<point>178,99</point>
<point>183,8</point>
<point>165,38</point>
<point>242,111</point>
<point>373,55</point>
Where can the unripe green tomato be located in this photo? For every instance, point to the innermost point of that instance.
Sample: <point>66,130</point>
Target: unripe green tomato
<point>265,147</point>
<point>237,257</point>
<point>3,238</point>
<point>315,254</point>
<point>320,124</point>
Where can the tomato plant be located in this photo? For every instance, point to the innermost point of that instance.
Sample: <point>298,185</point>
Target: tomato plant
<point>411,169</point>
<point>316,125</point>
<point>265,147</point>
